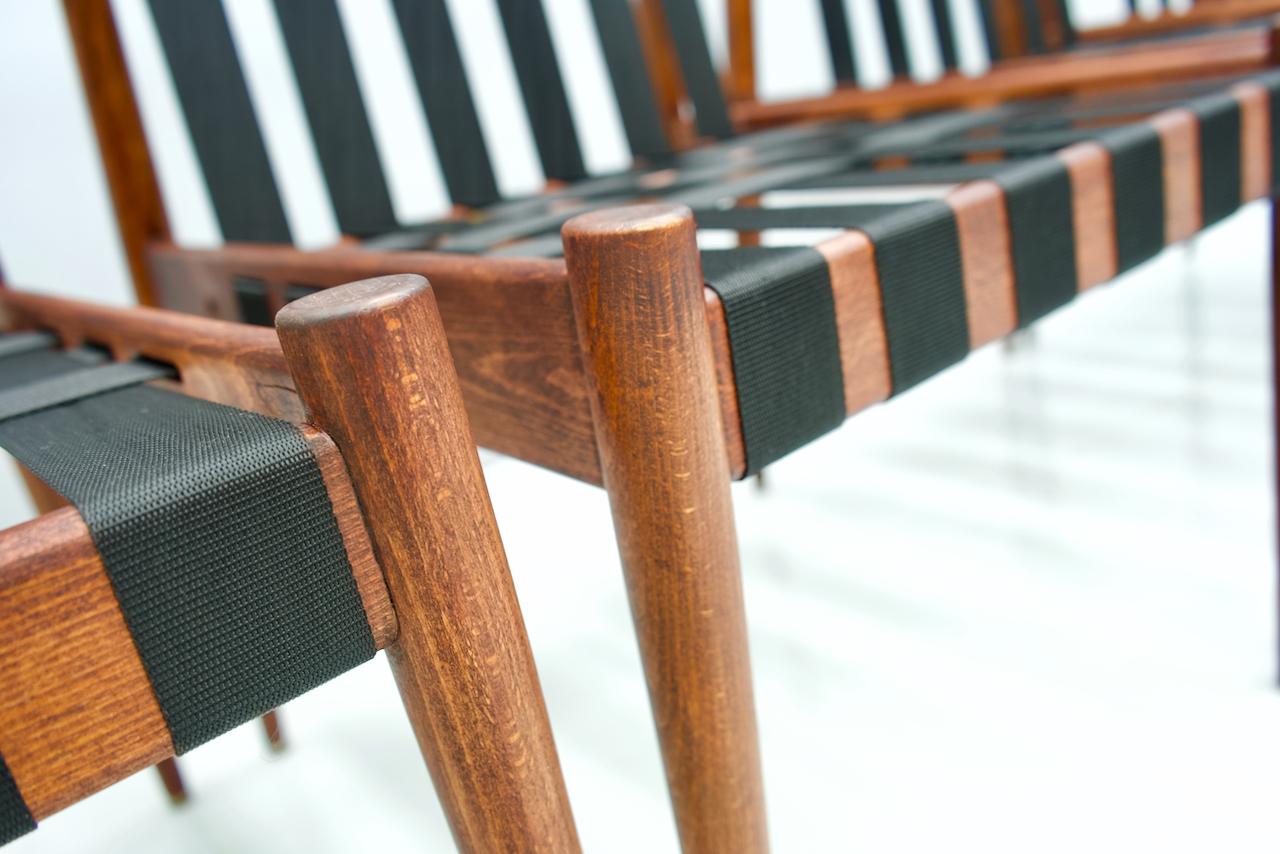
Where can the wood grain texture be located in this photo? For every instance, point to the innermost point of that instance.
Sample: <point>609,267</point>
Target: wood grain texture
<point>126,161</point>
<point>640,307</point>
<point>1093,217</point>
<point>509,322</point>
<point>372,363</point>
<point>1180,147</point>
<point>859,312</point>
<point>1255,140</point>
<point>986,261</point>
<point>76,709</point>
<point>726,386</point>
<point>1224,53</point>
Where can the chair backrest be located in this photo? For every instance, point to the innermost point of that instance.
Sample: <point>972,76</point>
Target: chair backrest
<point>542,41</point>
<point>1010,28</point>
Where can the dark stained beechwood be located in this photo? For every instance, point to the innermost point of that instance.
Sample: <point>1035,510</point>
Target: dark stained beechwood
<point>372,366</point>
<point>135,192</point>
<point>638,299</point>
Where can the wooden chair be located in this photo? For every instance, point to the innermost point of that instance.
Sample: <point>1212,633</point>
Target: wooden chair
<point>681,344</point>
<point>134,627</point>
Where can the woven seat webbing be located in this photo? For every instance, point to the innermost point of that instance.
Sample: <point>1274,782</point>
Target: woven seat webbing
<point>780,315</point>
<point>15,817</point>
<point>926,324</point>
<point>1038,197</point>
<point>76,385</point>
<point>218,537</point>
<point>1137,173</point>
<point>348,155</point>
<point>215,101</point>
<point>15,343</point>
<point>1218,117</point>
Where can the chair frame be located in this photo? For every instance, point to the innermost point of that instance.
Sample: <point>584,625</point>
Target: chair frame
<point>549,354</point>
<point>472,696</point>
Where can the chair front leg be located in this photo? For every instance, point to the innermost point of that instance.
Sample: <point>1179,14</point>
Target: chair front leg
<point>372,365</point>
<point>637,288</point>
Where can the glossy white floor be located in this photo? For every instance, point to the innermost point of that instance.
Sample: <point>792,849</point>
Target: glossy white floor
<point>1025,607</point>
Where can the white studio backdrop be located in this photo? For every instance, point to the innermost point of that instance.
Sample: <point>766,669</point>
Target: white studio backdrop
<point>56,231</point>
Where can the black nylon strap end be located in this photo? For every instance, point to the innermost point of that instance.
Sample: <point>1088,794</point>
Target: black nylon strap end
<point>917,251</point>
<point>1039,201</point>
<point>1219,119</point>
<point>15,817</point>
<point>786,354</point>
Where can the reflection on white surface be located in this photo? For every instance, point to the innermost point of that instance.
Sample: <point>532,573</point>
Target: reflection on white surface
<point>1026,607</point>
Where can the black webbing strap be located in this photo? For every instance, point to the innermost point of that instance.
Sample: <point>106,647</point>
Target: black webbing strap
<point>990,29</point>
<point>1137,173</point>
<point>895,39</point>
<point>1219,119</point>
<point>15,817</point>
<point>446,98</point>
<point>76,385</point>
<point>839,41</point>
<point>16,343</point>
<point>809,216</point>
<point>1038,198</point>
<point>545,101</point>
<point>218,537</point>
<point>710,111</point>
<point>944,31</point>
<point>251,299</point>
<point>348,155</point>
<point>1272,82</point>
<point>780,315</point>
<point>629,74</point>
<point>215,101</point>
<point>926,323</point>
<point>1033,26</point>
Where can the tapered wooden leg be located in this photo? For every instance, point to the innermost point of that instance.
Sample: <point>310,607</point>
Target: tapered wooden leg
<point>172,780</point>
<point>372,366</point>
<point>271,728</point>
<point>638,297</point>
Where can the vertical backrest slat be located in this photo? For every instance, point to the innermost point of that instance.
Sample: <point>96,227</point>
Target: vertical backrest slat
<point>990,29</point>
<point>335,110</point>
<point>700,78</point>
<point>630,77</point>
<point>211,88</point>
<point>839,41</point>
<point>437,67</point>
<point>945,32</point>
<point>895,39</point>
<point>541,86</point>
